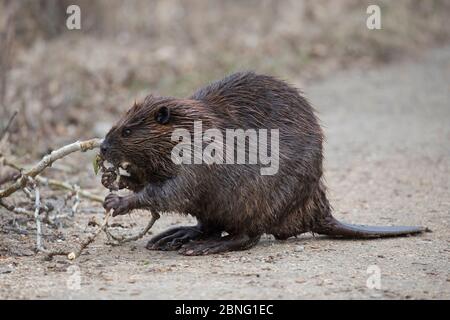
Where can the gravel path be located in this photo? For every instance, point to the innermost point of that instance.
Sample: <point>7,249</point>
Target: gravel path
<point>387,162</point>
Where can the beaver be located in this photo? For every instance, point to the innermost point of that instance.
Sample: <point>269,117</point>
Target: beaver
<point>234,204</point>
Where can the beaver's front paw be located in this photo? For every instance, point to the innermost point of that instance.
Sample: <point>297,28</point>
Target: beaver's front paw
<point>120,205</point>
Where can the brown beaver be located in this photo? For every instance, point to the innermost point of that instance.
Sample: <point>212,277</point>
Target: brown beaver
<point>231,198</point>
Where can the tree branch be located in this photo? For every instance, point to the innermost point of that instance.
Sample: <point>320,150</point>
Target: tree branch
<point>47,162</point>
<point>120,240</point>
<point>8,125</point>
<point>37,208</point>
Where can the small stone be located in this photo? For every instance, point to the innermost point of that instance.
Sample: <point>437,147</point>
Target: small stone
<point>71,256</point>
<point>299,249</point>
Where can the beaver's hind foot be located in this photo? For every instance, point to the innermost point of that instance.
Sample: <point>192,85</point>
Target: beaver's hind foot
<point>219,245</point>
<point>174,238</point>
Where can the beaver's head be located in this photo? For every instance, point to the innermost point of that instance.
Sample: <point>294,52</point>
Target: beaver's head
<point>140,141</point>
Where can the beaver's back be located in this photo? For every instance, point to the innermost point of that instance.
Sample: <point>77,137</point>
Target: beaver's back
<point>251,100</point>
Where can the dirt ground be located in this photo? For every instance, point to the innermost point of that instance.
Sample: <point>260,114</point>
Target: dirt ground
<point>387,162</point>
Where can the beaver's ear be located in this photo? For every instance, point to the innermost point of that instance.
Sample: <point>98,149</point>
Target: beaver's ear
<point>163,115</point>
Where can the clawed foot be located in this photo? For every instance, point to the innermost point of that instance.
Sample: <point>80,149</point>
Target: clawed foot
<point>120,205</point>
<point>174,238</point>
<point>219,245</point>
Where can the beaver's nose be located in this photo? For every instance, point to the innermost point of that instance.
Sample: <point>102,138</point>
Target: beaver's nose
<point>104,147</point>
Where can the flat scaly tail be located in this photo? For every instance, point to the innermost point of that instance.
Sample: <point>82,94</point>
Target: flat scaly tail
<point>332,227</point>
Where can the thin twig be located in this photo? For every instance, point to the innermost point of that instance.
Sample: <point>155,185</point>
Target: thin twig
<point>45,207</point>
<point>8,125</point>
<point>47,161</point>
<point>68,186</point>
<point>15,209</point>
<point>26,212</point>
<point>74,208</point>
<point>121,239</point>
<point>75,254</point>
<point>56,183</point>
<point>39,246</point>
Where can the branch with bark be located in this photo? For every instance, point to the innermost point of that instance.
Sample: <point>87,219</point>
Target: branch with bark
<point>47,161</point>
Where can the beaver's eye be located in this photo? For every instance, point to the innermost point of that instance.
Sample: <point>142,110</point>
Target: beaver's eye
<point>126,132</point>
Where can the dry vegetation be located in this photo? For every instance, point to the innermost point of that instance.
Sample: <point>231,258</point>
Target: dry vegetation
<point>72,84</point>
<point>68,85</point>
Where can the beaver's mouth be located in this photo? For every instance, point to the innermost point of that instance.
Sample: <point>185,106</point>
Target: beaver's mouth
<point>122,167</point>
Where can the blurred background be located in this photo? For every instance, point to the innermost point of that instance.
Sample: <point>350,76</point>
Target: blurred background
<point>72,84</point>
